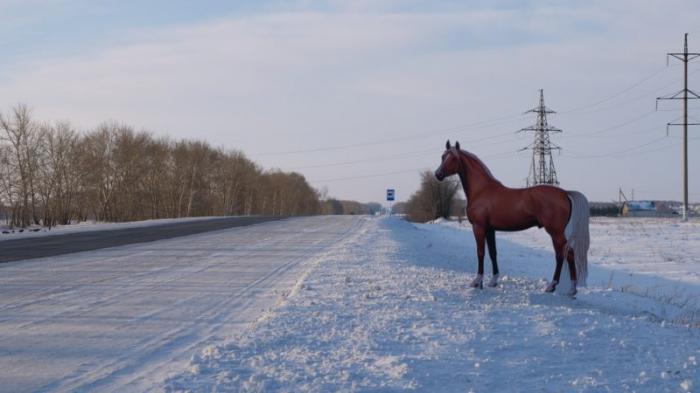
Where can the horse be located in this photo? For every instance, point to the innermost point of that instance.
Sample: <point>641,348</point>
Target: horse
<point>492,207</point>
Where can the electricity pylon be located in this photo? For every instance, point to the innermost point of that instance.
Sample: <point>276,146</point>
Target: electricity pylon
<point>542,167</point>
<point>685,94</point>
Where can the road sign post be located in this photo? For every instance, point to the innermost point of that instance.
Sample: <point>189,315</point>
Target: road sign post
<point>390,196</point>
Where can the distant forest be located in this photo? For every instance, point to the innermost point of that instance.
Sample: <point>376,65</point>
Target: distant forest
<point>52,174</point>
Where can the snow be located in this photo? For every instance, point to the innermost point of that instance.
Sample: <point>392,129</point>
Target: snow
<point>658,257</point>
<point>126,318</point>
<point>87,226</point>
<point>389,310</point>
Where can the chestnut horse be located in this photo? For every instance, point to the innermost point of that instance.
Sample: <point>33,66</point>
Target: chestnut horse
<point>492,207</point>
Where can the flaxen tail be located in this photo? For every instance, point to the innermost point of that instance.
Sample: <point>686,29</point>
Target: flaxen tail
<point>577,235</point>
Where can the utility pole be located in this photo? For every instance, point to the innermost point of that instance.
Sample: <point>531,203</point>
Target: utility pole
<point>542,167</point>
<point>685,94</point>
<point>622,197</point>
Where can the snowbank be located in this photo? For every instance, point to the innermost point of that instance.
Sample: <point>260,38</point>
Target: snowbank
<point>86,226</point>
<point>390,311</point>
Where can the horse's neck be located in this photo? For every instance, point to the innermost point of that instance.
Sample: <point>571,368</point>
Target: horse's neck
<point>474,175</point>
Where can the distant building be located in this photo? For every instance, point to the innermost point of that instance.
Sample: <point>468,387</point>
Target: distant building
<point>610,209</point>
<point>650,208</point>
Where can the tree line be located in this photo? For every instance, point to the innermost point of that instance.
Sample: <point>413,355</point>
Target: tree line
<point>52,174</point>
<point>336,206</point>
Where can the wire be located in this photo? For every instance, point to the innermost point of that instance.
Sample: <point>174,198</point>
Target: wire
<point>428,134</point>
<point>417,153</point>
<point>486,124</point>
<point>506,154</point>
<point>611,128</point>
<point>619,93</point>
<point>411,154</point>
<point>420,153</point>
<point>470,126</point>
<point>621,152</point>
<point>577,111</point>
<point>367,176</point>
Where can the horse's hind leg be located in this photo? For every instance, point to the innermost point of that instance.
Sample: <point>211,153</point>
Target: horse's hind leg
<point>491,243</point>
<point>559,242</point>
<point>572,270</point>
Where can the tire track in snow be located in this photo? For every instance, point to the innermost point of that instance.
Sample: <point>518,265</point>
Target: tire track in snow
<point>207,320</point>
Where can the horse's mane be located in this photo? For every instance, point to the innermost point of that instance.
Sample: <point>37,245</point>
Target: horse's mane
<point>478,161</point>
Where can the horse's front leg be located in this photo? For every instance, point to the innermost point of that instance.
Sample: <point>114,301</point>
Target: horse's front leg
<point>491,243</point>
<point>480,237</point>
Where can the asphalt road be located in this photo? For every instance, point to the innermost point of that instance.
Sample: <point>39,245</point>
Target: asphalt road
<point>46,246</point>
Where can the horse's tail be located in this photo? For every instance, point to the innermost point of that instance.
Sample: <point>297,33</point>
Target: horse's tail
<point>577,235</point>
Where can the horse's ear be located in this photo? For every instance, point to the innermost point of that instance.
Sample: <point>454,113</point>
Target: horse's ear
<point>457,145</point>
<point>447,145</point>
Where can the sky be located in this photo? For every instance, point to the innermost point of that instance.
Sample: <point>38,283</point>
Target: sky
<point>360,96</point>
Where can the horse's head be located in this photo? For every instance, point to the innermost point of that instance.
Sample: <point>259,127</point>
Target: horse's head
<point>450,162</point>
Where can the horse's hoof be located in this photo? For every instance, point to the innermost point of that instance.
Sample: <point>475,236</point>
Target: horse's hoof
<point>551,287</point>
<point>477,282</point>
<point>493,282</point>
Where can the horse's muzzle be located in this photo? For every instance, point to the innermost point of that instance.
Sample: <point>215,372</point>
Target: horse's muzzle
<point>439,175</point>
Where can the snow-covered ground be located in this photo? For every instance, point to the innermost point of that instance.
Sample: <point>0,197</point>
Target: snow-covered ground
<point>86,226</point>
<point>390,310</point>
<point>125,318</point>
<point>655,247</point>
<point>654,257</point>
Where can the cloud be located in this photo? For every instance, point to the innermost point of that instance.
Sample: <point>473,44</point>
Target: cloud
<point>326,75</point>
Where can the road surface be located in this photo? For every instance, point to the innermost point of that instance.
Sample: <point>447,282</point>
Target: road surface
<point>39,247</point>
<point>125,318</point>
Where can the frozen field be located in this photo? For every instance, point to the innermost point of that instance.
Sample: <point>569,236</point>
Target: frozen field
<point>653,247</point>
<point>389,310</point>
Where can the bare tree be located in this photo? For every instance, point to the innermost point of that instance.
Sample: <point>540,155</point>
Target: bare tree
<point>434,198</point>
<point>22,139</point>
<point>52,174</point>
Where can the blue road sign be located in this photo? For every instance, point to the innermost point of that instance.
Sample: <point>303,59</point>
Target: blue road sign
<point>390,194</point>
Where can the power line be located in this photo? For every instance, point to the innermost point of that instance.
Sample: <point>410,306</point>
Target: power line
<point>417,153</point>
<point>615,127</point>
<point>617,94</point>
<point>465,127</point>
<point>480,125</point>
<point>373,175</point>
<point>425,152</point>
<point>617,152</point>
<point>429,134</point>
<point>410,154</point>
<point>367,176</point>
<point>615,106</point>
